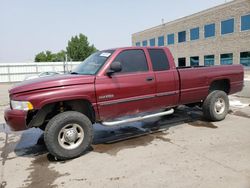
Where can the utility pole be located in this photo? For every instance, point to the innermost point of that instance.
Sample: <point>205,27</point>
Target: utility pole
<point>66,59</point>
<point>65,63</point>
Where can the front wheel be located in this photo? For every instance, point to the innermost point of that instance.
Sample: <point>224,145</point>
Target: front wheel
<point>68,135</point>
<point>216,106</point>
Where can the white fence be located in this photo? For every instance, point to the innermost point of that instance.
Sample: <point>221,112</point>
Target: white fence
<point>16,72</point>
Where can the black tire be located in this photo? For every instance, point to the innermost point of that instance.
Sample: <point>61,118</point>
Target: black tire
<point>42,127</point>
<point>56,126</point>
<point>211,106</point>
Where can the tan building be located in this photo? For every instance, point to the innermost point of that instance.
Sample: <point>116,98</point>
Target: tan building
<point>219,35</point>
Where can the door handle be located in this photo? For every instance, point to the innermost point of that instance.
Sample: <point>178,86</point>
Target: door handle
<point>149,79</point>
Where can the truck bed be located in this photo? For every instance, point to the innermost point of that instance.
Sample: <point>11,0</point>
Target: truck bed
<point>195,82</point>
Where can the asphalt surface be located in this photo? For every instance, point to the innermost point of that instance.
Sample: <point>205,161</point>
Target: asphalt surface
<point>181,150</point>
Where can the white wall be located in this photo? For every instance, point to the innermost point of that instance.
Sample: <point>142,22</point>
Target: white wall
<point>15,72</point>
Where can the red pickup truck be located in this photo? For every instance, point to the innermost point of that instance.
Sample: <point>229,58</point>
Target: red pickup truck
<point>110,84</point>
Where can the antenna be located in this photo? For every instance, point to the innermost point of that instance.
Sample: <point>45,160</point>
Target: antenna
<point>162,21</point>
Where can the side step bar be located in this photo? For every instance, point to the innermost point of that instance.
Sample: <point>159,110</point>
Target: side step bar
<point>113,123</point>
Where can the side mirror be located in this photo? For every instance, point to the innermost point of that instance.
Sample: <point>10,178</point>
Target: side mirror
<point>114,67</point>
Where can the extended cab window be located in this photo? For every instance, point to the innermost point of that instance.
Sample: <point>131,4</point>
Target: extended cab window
<point>159,59</point>
<point>132,61</point>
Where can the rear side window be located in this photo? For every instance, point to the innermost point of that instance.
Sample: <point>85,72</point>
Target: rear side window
<point>132,61</point>
<point>159,59</point>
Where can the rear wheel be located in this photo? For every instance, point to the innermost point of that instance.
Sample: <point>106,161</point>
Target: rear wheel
<point>216,106</point>
<point>68,135</point>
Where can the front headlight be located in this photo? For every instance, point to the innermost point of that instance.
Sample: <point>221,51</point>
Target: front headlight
<point>21,105</point>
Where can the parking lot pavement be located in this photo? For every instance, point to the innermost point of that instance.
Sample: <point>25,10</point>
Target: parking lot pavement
<point>181,150</point>
<point>184,151</point>
<point>4,100</point>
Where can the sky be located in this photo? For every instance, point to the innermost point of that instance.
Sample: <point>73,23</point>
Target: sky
<point>28,27</point>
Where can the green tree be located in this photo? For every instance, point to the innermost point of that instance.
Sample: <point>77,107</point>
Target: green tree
<point>79,48</point>
<point>48,56</point>
<point>60,56</point>
<point>41,57</point>
<point>44,56</point>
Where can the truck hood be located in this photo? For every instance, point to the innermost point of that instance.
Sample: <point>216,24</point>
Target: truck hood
<point>51,81</point>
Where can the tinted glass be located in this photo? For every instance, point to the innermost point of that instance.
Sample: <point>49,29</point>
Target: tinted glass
<point>208,60</point>
<point>159,59</point>
<point>44,74</point>
<point>245,58</point>
<point>209,30</point>
<point>152,42</point>
<point>138,44</point>
<point>170,39</point>
<point>194,61</point>
<point>132,61</point>
<point>182,62</point>
<point>226,59</point>
<point>182,36</point>
<point>144,43</point>
<point>52,73</point>
<point>161,41</point>
<point>227,26</point>
<point>194,33</point>
<point>93,63</point>
<point>245,22</point>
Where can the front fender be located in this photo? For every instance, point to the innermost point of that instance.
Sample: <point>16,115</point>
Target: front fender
<point>40,98</point>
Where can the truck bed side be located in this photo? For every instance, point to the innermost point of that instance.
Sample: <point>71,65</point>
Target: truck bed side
<point>196,82</point>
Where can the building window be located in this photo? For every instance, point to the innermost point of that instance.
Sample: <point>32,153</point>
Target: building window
<point>245,58</point>
<point>170,38</point>
<point>226,59</point>
<point>194,33</point>
<point>194,61</point>
<point>209,30</point>
<point>227,26</point>
<point>182,62</point>
<point>152,42</point>
<point>182,36</point>
<point>245,22</point>
<point>161,41</point>
<point>144,43</point>
<point>208,60</point>
<point>138,44</point>
<point>159,59</point>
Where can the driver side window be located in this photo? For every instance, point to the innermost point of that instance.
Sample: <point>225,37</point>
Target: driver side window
<point>132,61</point>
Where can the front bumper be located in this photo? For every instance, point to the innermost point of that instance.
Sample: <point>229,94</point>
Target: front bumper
<point>16,119</point>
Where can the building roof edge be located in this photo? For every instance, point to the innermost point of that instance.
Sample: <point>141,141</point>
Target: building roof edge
<point>191,16</point>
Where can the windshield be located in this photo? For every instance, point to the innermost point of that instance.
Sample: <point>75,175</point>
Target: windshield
<point>93,63</point>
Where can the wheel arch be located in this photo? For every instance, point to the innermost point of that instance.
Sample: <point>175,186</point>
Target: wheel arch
<point>41,116</point>
<point>222,84</point>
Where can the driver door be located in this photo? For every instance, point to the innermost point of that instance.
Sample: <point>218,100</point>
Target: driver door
<point>127,92</point>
